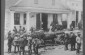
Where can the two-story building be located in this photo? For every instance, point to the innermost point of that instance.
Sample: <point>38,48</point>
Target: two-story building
<point>36,13</point>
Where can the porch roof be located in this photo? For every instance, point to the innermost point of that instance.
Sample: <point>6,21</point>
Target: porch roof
<point>39,10</point>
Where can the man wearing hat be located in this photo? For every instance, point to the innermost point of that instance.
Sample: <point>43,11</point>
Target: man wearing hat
<point>29,45</point>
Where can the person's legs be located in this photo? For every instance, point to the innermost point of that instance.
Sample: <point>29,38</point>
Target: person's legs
<point>10,48</point>
<point>34,49</point>
<point>71,47</point>
<point>14,49</point>
<point>18,48</point>
<point>23,50</point>
<point>20,51</point>
<point>79,47</point>
<point>66,46</point>
<point>77,51</point>
<point>30,51</point>
<point>37,50</point>
<point>74,46</point>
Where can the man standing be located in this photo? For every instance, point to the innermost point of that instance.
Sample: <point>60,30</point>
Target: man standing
<point>73,41</point>
<point>9,42</point>
<point>78,40</point>
<point>36,45</point>
<point>29,45</point>
<point>15,29</point>
<point>66,40</point>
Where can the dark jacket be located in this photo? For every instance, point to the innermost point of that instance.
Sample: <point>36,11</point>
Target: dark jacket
<point>23,42</point>
<point>66,39</point>
<point>73,39</point>
<point>10,39</point>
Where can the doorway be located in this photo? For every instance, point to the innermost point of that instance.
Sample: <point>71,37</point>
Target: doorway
<point>38,21</point>
<point>45,21</point>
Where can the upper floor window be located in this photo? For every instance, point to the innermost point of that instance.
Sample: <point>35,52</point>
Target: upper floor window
<point>24,19</point>
<point>53,2</point>
<point>35,1</point>
<point>16,18</point>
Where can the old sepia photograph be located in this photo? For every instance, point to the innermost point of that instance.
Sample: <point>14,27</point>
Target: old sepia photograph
<point>43,27</point>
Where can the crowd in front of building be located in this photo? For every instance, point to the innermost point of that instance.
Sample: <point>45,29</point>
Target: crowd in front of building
<point>71,39</point>
<point>36,17</point>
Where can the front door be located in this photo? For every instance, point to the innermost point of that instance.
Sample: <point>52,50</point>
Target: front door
<point>44,20</point>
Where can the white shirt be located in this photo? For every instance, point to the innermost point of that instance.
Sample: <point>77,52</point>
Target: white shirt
<point>78,39</point>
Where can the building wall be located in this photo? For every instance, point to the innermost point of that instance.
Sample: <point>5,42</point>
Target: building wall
<point>7,21</point>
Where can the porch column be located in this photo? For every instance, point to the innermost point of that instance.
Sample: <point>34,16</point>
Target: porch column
<point>21,19</point>
<point>79,16</point>
<point>69,16</point>
<point>12,20</point>
<point>28,21</point>
<point>50,20</point>
<point>59,19</point>
<point>41,21</point>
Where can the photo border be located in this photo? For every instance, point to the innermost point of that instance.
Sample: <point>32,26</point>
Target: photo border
<point>2,25</point>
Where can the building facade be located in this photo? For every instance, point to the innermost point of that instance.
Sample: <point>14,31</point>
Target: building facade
<point>38,14</point>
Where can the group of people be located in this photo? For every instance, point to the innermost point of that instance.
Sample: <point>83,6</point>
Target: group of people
<point>73,39</point>
<point>21,30</point>
<point>24,41</point>
<point>11,36</point>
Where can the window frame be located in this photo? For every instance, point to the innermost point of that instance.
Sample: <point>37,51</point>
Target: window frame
<point>16,18</point>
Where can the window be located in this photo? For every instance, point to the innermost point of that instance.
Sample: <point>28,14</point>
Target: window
<point>24,19</point>
<point>53,2</point>
<point>35,1</point>
<point>17,18</point>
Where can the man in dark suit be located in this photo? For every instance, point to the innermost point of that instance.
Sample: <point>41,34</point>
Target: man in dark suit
<point>66,40</point>
<point>73,41</point>
<point>10,39</point>
<point>23,43</point>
